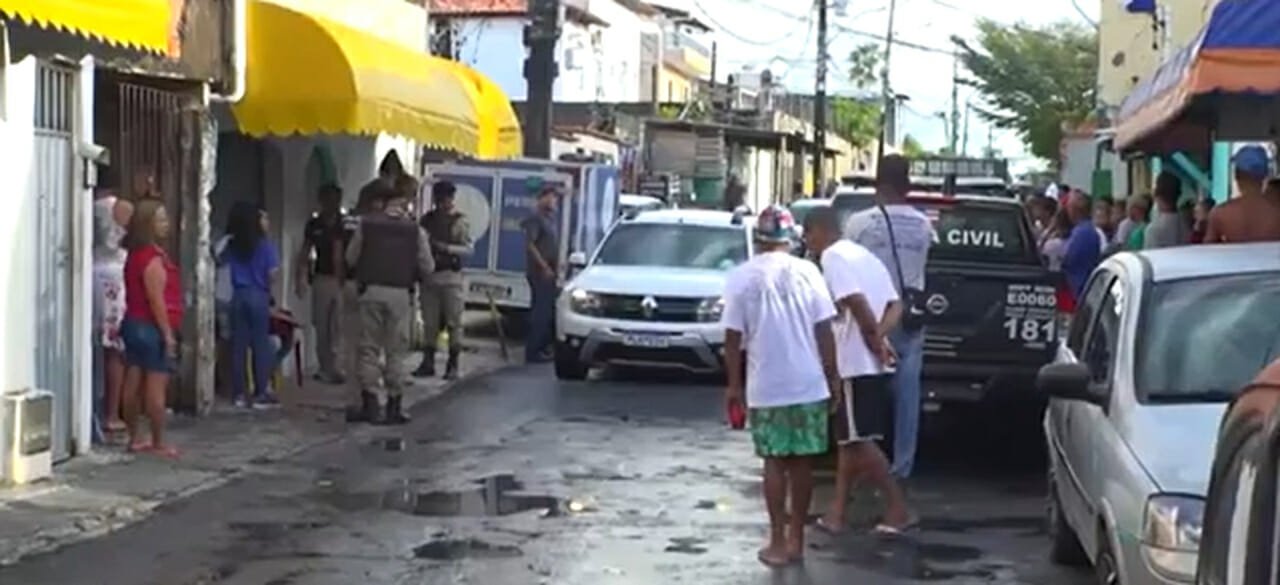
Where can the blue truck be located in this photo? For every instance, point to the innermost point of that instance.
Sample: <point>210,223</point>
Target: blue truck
<point>497,196</point>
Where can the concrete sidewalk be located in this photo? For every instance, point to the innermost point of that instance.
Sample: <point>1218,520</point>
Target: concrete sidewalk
<point>109,489</point>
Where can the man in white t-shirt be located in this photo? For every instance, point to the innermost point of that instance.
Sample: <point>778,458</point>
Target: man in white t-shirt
<point>900,236</point>
<point>777,309</point>
<point>868,309</point>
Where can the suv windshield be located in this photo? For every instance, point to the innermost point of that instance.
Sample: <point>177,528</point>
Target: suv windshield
<point>1235,320</point>
<point>800,209</point>
<point>847,204</point>
<point>978,232</point>
<point>674,245</point>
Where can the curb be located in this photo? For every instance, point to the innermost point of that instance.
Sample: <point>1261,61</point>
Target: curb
<point>94,525</point>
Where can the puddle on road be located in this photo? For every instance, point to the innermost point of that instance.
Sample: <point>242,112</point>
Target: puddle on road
<point>905,558</point>
<point>493,496</point>
<point>686,546</point>
<point>1028,524</point>
<point>471,548</point>
<point>271,531</point>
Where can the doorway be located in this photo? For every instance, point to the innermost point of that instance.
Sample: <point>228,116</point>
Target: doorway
<point>54,158</point>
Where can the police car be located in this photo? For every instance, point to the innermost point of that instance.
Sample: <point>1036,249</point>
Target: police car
<point>992,316</point>
<point>650,294</point>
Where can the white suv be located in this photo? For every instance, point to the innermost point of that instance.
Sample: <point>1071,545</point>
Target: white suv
<point>650,296</point>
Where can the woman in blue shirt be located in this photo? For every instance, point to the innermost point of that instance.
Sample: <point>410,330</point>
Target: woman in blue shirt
<point>253,262</point>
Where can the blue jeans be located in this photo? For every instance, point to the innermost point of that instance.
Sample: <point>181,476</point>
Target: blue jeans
<point>542,317</point>
<point>250,316</point>
<point>906,398</point>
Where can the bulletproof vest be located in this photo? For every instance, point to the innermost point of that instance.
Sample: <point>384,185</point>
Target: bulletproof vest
<point>389,246</point>
<point>440,226</point>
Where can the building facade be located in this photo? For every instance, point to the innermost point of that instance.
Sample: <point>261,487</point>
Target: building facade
<point>610,51</point>
<point>364,90</point>
<point>96,98</point>
<point>1132,45</point>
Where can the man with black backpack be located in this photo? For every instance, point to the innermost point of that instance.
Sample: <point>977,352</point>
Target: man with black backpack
<point>900,236</point>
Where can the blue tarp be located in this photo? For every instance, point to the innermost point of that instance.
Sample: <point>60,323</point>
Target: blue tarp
<point>1243,26</point>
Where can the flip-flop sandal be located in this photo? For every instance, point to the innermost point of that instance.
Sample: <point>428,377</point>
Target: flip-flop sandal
<point>115,428</point>
<point>895,531</point>
<point>774,562</point>
<point>139,448</point>
<point>822,524</point>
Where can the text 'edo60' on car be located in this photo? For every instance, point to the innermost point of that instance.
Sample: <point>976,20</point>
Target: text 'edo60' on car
<point>1160,344</point>
<point>651,295</point>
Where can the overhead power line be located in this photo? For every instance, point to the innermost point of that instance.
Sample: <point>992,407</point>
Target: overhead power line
<point>730,32</point>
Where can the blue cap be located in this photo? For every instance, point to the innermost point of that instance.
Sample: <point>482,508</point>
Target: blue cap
<point>1253,161</point>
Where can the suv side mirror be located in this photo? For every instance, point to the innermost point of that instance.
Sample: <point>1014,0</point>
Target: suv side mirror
<point>578,259</point>
<point>1069,381</point>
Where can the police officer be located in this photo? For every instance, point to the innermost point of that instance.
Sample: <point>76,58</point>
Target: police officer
<point>385,284</point>
<point>442,293</point>
<point>323,238</point>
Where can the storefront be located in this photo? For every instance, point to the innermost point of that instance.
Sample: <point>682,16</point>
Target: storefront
<point>51,51</point>
<point>1222,88</point>
<point>326,102</point>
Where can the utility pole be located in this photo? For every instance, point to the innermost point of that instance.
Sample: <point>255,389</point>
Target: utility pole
<point>884,83</point>
<point>540,71</point>
<point>820,100</point>
<point>955,101</point>
<point>717,114</point>
<point>964,140</point>
<point>991,140</point>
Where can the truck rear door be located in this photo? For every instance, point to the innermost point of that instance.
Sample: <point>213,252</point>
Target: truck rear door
<point>990,299</point>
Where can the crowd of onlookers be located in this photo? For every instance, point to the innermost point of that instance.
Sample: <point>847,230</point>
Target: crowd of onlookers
<point>139,305</point>
<point>1075,231</point>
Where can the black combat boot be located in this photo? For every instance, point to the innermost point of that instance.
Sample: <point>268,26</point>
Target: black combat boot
<point>451,366</point>
<point>395,416</point>
<point>427,368</point>
<point>367,412</point>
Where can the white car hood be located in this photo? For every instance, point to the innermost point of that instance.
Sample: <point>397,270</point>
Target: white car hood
<point>1175,444</point>
<point>651,280</point>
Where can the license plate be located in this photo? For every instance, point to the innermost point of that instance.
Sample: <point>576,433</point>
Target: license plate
<point>650,341</point>
<point>931,407</point>
<point>491,290</point>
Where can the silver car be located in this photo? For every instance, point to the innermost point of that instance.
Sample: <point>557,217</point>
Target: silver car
<point>1159,345</point>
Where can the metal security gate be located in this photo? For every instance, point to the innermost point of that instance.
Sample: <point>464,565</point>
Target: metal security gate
<point>54,183</point>
<point>150,144</point>
<point>152,131</point>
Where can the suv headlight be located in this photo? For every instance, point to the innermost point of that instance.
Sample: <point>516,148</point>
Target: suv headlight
<point>584,302</point>
<point>1171,530</point>
<point>709,310</point>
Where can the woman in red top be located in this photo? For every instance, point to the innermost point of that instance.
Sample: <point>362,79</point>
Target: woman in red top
<point>152,316</point>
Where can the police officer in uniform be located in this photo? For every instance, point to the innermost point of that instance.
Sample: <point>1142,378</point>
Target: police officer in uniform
<point>385,285</point>
<point>442,294</point>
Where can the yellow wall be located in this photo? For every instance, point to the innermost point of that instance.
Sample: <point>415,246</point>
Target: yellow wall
<point>394,20</point>
<point>1126,54</point>
<point>674,86</point>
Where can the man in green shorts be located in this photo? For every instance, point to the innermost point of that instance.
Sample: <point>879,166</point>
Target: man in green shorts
<point>779,311</point>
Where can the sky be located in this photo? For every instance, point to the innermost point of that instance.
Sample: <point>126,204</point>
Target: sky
<point>780,35</point>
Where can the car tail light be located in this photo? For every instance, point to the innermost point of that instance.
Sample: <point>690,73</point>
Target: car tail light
<point>1066,299</point>
<point>1066,308</point>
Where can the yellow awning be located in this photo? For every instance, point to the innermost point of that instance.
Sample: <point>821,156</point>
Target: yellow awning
<point>309,75</point>
<point>500,135</point>
<point>140,24</point>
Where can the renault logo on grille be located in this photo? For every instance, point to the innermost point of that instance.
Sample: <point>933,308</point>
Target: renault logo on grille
<point>937,304</point>
<point>648,307</point>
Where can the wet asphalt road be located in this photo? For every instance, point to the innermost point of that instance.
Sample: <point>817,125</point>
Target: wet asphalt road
<point>520,479</point>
